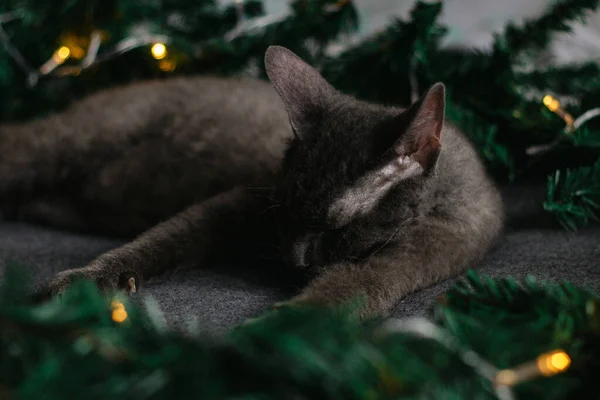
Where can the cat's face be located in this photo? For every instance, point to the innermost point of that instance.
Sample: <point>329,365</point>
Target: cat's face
<point>351,168</point>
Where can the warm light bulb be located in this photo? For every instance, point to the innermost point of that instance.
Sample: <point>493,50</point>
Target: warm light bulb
<point>119,314</point>
<point>64,52</point>
<point>554,106</point>
<point>547,364</point>
<point>159,51</point>
<point>551,103</point>
<point>61,55</point>
<point>553,363</point>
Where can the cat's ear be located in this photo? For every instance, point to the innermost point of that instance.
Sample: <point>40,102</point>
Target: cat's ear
<point>416,146</point>
<point>423,122</point>
<point>305,93</point>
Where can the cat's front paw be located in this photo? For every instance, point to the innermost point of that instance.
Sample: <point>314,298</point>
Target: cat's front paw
<point>105,279</point>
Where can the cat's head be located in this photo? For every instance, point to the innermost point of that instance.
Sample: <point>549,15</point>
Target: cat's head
<point>351,168</point>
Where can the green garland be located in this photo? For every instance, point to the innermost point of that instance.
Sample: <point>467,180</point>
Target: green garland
<point>72,348</point>
<point>574,196</point>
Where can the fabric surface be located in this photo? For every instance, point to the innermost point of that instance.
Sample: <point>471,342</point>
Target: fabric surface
<point>219,297</point>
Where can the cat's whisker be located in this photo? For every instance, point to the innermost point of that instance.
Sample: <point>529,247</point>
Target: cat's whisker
<point>260,187</point>
<point>270,208</point>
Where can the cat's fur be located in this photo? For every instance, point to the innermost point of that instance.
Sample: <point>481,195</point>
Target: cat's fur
<point>375,201</point>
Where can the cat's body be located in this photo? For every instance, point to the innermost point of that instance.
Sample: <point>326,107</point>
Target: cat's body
<point>364,197</point>
<point>125,159</point>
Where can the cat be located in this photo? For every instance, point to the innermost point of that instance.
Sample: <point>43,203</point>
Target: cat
<point>374,201</point>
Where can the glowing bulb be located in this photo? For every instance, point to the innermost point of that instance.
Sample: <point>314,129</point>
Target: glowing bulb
<point>119,314</point>
<point>554,106</point>
<point>553,363</point>
<point>64,52</point>
<point>159,51</point>
<point>551,103</point>
<point>61,55</point>
<point>547,364</point>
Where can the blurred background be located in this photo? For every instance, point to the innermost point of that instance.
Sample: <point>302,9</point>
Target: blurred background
<point>522,76</point>
<point>472,23</point>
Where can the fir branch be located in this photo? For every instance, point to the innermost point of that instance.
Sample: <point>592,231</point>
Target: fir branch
<point>389,61</point>
<point>574,196</point>
<point>302,352</point>
<point>535,34</point>
<point>567,80</point>
<point>481,291</point>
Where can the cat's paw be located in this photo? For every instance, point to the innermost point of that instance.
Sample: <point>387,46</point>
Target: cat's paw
<point>106,280</point>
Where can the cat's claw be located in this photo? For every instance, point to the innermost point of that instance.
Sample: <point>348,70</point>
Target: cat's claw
<point>127,282</point>
<point>131,287</point>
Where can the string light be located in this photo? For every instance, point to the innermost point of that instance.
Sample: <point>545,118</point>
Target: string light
<point>92,57</point>
<point>61,55</point>
<point>119,314</point>
<point>571,125</point>
<point>554,363</point>
<point>58,58</point>
<point>554,105</point>
<point>159,51</point>
<point>547,364</point>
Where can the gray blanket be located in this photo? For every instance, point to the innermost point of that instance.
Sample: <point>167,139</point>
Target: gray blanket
<point>219,297</point>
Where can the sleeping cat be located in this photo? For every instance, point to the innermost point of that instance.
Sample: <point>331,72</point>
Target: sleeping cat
<point>375,202</point>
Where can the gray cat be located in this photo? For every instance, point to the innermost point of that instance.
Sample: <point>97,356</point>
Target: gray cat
<point>375,202</point>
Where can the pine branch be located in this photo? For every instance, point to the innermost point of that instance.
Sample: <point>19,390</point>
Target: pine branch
<point>71,348</point>
<point>481,309</point>
<point>574,196</point>
<point>536,33</point>
<point>388,61</point>
<point>567,80</point>
<point>311,27</point>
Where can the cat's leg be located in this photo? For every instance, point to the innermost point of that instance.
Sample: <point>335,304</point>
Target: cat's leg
<point>380,281</point>
<point>215,227</point>
<point>376,286</point>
